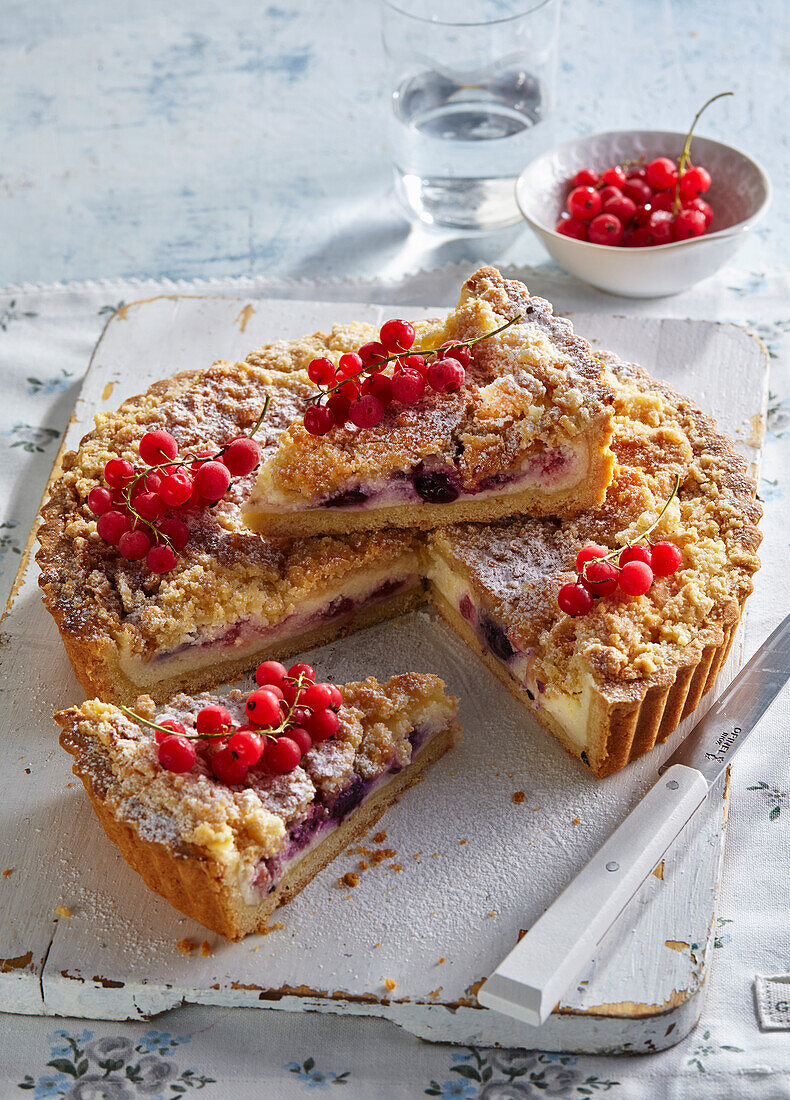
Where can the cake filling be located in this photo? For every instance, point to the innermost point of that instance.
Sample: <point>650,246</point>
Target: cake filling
<point>250,635</point>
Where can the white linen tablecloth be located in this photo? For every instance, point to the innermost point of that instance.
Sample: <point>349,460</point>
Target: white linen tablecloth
<point>738,1050</point>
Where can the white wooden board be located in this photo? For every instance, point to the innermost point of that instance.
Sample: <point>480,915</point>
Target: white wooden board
<point>472,867</point>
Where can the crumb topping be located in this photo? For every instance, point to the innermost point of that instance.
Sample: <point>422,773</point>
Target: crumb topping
<point>531,387</point>
<point>517,566</point>
<point>194,813</point>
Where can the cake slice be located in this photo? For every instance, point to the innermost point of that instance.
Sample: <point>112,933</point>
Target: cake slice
<point>234,597</point>
<point>528,431</point>
<point>611,683</point>
<point>228,856</point>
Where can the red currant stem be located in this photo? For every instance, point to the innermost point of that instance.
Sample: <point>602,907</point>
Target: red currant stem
<point>381,363</point>
<point>164,729</point>
<point>684,156</point>
<point>616,553</point>
<point>286,721</point>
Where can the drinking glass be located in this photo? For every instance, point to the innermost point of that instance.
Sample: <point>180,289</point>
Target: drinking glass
<point>472,86</point>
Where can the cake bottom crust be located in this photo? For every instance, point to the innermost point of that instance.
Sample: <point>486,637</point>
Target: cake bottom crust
<point>203,889</point>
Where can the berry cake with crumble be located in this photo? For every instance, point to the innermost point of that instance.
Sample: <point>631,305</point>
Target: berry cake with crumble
<point>228,851</point>
<point>521,425</point>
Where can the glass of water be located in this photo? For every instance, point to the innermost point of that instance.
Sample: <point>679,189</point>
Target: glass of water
<point>472,86</point>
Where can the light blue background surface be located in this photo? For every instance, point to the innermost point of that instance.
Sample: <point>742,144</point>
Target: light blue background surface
<point>192,138</point>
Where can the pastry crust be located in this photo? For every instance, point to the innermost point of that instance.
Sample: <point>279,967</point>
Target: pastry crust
<point>528,431</point>
<point>197,842</point>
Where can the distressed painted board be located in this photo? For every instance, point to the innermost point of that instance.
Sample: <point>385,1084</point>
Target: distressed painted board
<point>471,866</point>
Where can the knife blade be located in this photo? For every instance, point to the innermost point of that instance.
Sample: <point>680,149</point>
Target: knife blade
<point>531,980</point>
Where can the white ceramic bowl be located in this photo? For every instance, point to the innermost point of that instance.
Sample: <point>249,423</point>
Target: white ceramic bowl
<point>740,195</point>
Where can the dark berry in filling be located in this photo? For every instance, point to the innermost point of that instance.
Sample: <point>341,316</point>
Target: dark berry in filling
<point>346,500</point>
<point>496,639</point>
<point>435,487</point>
<point>466,607</point>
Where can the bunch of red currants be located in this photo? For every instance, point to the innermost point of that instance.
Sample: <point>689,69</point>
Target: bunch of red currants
<point>139,510</point>
<point>348,396</point>
<point>638,206</point>
<point>286,715</point>
<point>601,572</point>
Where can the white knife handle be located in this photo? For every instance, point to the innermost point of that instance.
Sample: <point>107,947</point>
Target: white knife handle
<point>529,983</point>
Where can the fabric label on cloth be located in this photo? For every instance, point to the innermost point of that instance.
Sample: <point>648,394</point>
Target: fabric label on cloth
<point>772,1000</point>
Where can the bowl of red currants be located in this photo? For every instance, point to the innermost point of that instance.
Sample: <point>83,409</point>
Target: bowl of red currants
<point>643,213</point>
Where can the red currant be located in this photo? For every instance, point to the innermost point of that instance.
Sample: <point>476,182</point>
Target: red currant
<point>241,456</point>
<point>408,386</point>
<point>589,553</point>
<point>160,559</point>
<point>663,200</point>
<point>263,707</point>
<point>212,481</point>
<point>635,578</point>
<point>446,375</point>
<point>212,719</point>
<point>337,696</point>
<point>248,746</point>
<point>414,362</point>
<point>614,177</point>
<point>200,458</point>
<point>373,355</point>
<point>349,390</point>
<point>270,672</point>
<point>585,177</point>
<point>118,473</point>
<point>299,715</point>
<point>572,227</point>
<point>452,350</point>
<point>100,500</point>
<point>703,207</point>
<point>662,173</point>
<point>637,552</point>
<point>318,419</point>
<point>659,227</point>
<point>574,599</point>
<point>322,724</point>
<point>350,365</point>
<point>321,371</point>
<point>112,526</point>
<point>176,488</point>
<point>380,385</point>
<point>637,172</point>
<point>307,672</point>
<point>171,725</point>
<point>608,193</point>
<point>620,207</point>
<point>693,181</point>
<point>177,754</point>
<point>318,696</point>
<point>397,335</point>
<point>666,558</point>
<point>302,738</point>
<point>149,506</point>
<point>583,202</point>
<point>600,577</point>
<point>282,756</point>
<point>606,229</point>
<point>175,531</point>
<point>134,545</point>
<point>638,190</point>
<point>157,447</point>
<point>227,767</point>
<point>367,411</point>
<point>339,407</point>
<point>642,214</point>
<point>688,223</point>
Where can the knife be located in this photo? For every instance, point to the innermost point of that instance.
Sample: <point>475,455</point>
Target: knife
<point>530,981</point>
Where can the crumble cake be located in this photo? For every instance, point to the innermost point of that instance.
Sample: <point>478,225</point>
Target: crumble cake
<point>234,594</point>
<point>228,856</point>
<point>610,684</point>
<point>528,431</point>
